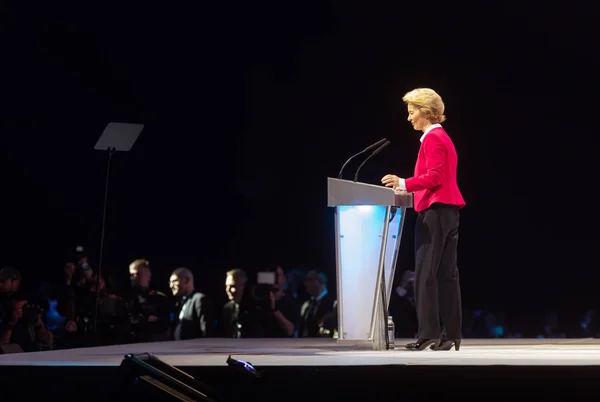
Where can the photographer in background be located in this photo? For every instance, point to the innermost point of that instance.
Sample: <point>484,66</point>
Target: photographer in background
<point>26,328</point>
<point>276,313</point>
<point>83,266</point>
<point>8,277</point>
<point>148,309</point>
<point>21,321</point>
<point>112,325</point>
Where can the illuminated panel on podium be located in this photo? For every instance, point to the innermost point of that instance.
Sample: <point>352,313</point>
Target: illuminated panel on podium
<point>360,231</point>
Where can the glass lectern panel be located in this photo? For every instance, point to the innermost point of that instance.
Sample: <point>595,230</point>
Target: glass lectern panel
<point>359,235</point>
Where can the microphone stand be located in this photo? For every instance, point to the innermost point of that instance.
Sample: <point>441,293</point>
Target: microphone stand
<point>378,150</point>
<point>367,149</point>
<point>348,161</point>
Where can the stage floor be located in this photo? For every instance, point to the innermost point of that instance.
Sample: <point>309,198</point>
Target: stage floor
<point>299,369</point>
<point>325,352</point>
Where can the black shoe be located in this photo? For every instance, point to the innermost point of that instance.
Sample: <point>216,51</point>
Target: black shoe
<point>423,344</point>
<point>447,345</point>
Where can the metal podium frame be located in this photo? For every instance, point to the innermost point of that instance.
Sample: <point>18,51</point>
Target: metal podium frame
<point>389,208</point>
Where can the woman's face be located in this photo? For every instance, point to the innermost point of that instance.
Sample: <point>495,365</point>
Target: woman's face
<point>417,118</point>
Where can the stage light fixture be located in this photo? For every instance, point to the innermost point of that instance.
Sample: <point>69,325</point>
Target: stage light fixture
<point>242,366</point>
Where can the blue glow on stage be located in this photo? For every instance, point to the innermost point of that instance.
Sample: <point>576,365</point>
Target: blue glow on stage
<point>360,237</point>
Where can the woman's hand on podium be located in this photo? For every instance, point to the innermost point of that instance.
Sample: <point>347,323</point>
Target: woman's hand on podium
<point>393,181</point>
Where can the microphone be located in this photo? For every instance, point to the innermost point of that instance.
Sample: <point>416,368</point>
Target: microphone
<point>378,150</point>
<point>367,149</point>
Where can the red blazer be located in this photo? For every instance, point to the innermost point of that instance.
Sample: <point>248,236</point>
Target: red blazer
<point>435,172</point>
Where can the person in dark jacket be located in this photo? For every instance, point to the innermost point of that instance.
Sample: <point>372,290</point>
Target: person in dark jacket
<point>194,312</point>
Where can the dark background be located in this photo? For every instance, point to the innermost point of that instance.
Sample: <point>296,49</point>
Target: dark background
<point>249,107</point>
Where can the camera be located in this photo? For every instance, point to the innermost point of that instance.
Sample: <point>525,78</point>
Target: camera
<point>81,258</point>
<point>265,282</point>
<point>32,312</point>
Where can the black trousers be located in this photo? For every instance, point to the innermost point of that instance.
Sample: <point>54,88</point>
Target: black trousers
<point>437,287</point>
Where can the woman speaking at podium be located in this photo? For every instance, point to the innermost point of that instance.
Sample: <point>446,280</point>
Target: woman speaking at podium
<point>437,201</point>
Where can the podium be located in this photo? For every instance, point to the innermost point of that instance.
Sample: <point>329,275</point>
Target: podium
<point>368,229</point>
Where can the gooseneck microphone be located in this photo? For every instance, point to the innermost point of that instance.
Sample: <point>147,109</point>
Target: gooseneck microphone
<point>367,149</point>
<point>378,150</point>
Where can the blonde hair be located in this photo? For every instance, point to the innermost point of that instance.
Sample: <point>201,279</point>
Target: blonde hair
<point>428,102</point>
<point>237,274</point>
<point>140,262</point>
